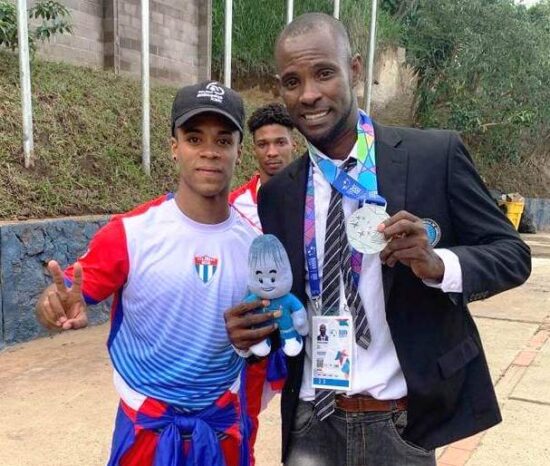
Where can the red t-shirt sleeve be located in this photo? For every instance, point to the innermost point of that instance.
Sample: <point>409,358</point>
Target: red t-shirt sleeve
<point>233,195</point>
<point>105,264</point>
<point>251,185</point>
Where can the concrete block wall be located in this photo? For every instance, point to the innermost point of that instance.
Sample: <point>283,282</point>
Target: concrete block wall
<point>107,34</point>
<point>25,249</point>
<point>85,45</point>
<point>174,44</point>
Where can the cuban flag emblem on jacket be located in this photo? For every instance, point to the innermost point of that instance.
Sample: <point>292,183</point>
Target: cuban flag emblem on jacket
<point>206,267</point>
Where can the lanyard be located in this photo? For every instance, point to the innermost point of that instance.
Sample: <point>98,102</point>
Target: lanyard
<point>364,189</point>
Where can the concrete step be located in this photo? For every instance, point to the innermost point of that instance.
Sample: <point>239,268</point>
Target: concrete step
<point>539,244</point>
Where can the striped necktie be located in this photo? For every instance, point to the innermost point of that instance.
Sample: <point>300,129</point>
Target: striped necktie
<point>337,259</point>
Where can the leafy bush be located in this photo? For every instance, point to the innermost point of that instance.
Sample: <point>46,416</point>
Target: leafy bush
<point>484,68</point>
<point>53,18</point>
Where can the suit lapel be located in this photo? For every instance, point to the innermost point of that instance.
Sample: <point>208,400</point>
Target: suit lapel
<point>391,170</point>
<point>294,207</point>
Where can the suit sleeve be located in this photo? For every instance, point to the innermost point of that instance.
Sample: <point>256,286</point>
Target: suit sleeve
<point>492,256</point>
<point>268,210</point>
<point>262,200</point>
<point>104,265</point>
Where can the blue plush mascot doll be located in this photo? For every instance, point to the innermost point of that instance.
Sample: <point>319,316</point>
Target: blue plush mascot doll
<point>270,278</point>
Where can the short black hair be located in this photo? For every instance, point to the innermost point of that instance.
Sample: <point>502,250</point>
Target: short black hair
<point>309,22</point>
<point>270,114</point>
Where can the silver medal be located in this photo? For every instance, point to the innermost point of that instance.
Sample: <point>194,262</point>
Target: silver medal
<point>361,228</point>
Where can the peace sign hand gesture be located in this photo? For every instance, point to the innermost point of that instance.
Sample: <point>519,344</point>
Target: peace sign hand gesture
<point>59,307</point>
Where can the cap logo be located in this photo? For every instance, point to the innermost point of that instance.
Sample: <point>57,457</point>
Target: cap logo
<point>212,91</point>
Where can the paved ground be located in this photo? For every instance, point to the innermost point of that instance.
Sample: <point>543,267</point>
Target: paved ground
<point>57,403</point>
<point>515,328</point>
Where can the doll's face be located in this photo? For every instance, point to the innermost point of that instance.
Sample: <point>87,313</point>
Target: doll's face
<point>270,275</point>
<point>268,282</point>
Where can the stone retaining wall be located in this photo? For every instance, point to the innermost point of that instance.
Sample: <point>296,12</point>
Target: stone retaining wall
<point>25,249</point>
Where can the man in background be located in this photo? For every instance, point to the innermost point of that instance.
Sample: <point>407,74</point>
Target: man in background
<point>271,129</point>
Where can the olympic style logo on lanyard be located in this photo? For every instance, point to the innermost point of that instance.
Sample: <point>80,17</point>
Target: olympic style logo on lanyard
<point>363,189</point>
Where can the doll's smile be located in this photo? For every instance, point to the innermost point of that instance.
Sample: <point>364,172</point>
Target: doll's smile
<point>268,288</point>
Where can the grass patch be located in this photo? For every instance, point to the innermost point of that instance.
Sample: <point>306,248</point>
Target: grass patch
<point>87,135</point>
<point>254,35</point>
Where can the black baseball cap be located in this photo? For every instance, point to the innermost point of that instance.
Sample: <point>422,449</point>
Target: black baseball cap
<point>208,96</point>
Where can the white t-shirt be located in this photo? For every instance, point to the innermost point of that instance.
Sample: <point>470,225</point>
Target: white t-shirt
<point>173,278</point>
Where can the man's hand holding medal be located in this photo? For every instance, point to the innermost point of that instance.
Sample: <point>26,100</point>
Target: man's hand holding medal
<point>408,243</point>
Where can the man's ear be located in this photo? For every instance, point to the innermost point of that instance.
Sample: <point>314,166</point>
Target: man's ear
<point>356,66</point>
<point>174,147</point>
<point>239,154</point>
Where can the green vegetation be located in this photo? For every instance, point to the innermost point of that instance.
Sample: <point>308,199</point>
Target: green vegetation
<point>256,25</point>
<point>53,18</point>
<point>483,66</point>
<point>484,69</point>
<point>87,133</point>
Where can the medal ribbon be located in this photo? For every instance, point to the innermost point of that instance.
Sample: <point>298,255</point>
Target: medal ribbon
<point>363,189</point>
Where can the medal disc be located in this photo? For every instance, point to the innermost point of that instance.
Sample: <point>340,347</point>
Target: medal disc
<point>361,229</point>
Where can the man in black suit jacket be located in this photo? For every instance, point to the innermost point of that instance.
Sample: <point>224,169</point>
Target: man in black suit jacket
<point>437,367</point>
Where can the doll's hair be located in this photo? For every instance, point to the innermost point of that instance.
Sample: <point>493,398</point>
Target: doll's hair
<point>266,248</point>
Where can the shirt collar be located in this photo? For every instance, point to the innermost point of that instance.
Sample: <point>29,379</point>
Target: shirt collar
<point>352,154</point>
